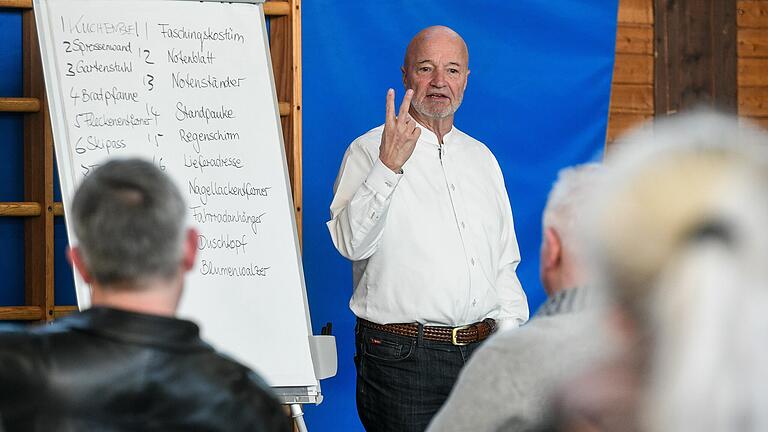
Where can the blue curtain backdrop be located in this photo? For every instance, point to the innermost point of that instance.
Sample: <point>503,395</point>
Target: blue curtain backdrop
<point>537,96</point>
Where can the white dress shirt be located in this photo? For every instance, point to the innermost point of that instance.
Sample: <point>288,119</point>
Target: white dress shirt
<point>435,244</point>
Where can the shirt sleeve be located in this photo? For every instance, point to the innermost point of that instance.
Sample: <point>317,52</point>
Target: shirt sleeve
<point>362,196</point>
<point>514,303</point>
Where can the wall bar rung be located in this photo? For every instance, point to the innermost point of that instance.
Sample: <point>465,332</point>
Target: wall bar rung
<point>21,313</point>
<point>18,4</point>
<point>20,209</point>
<point>278,8</point>
<point>62,311</point>
<point>285,108</point>
<point>17,104</point>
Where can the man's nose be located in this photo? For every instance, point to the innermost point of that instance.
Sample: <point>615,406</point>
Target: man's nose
<point>438,79</point>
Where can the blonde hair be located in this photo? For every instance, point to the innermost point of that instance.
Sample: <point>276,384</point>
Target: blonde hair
<point>678,239</point>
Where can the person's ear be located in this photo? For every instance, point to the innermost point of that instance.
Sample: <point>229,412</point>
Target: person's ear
<point>76,259</point>
<point>552,252</point>
<point>190,250</point>
<point>402,69</point>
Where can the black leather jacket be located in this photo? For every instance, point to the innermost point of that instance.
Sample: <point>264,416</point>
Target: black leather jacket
<point>113,370</point>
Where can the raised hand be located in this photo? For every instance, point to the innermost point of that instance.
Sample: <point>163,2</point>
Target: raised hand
<point>400,133</point>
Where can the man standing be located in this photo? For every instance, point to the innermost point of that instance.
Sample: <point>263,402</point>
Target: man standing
<point>127,364</point>
<point>421,209</point>
<point>508,384</point>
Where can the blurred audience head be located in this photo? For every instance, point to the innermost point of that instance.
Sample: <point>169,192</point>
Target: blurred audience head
<point>678,238</point>
<point>561,266</point>
<point>129,218</point>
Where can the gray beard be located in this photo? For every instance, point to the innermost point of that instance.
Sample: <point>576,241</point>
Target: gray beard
<point>424,111</point>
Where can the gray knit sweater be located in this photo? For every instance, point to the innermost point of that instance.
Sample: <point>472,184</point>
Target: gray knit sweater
<point>509,380</point>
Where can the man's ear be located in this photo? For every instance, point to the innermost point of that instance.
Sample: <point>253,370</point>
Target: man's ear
<point>552,252</point>
<point>466,80</point>
<point>190,250</point>
<point>76,259</point>
<point>402,69</point>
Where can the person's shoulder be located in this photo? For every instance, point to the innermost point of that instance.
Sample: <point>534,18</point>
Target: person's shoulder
<point>475,145</point>
<point>470,141</point>
<point>370,140</point>
<point>538,334</point>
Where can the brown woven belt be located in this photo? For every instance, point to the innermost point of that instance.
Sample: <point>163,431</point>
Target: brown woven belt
<point>461,335</point>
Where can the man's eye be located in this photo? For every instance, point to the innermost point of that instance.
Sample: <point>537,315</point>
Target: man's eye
<point>424,69</point>
<point>453,71</point>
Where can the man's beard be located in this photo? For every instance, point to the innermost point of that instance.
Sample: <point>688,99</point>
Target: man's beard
<point>435,111</point>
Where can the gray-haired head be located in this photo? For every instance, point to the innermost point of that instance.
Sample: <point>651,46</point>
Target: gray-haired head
<point>565,203</point>
<point>129,218</point>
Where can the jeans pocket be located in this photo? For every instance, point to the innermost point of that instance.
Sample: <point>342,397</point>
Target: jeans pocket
<point>383,348</point>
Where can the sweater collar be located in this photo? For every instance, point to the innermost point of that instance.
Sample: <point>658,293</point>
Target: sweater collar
<point>566,301</point>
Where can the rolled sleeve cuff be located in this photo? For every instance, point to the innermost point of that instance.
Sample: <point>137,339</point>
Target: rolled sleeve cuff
<point>382,180</point>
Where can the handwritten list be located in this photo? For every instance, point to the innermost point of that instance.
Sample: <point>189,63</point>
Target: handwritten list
<point>188,86</point>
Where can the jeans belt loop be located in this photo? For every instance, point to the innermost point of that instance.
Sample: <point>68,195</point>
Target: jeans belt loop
<point>420,336</point>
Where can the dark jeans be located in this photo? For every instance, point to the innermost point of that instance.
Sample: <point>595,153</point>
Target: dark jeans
<point>402,381</point>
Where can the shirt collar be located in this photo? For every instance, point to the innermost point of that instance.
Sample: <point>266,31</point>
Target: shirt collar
<point>429,137</point>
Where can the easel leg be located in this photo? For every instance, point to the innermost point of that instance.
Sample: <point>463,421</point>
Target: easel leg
<point>298,418</point>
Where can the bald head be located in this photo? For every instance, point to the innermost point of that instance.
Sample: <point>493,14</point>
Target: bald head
<point>440,36</point>
<point>436,68</point>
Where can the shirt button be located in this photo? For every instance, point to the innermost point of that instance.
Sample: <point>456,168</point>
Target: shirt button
<point>388,183</point>
<point>453,187</point>
<point>463,226</point>
<point>472,260</point>
<point>474,302</point>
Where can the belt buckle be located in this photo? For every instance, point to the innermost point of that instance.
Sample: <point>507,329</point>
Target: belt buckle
<point>454,335</point>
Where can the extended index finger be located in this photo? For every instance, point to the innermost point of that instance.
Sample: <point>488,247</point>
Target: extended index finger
<point>390,116</point>
<point>406,103</point>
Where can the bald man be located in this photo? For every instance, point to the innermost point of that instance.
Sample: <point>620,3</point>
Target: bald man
<point>421,210</point>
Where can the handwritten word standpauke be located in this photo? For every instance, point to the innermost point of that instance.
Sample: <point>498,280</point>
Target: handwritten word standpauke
<point>189,86</point>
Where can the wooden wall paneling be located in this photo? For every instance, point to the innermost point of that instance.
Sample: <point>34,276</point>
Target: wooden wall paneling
<point>753,101</point>
<point>752,19</point>
<point>635,12</point>
<point>759,121</point>
<point>38,179</point>
<point>696,54</point>
<point>753,42</point>
<point>632,99</point>
<point>752,13</point>
<point>753,72</point>
<point>620,123</point>
<point>634,39</point>
<point>633,69</point>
